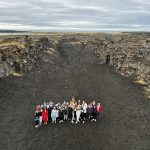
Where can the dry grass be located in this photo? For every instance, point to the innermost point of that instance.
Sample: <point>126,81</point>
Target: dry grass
<point>17,74</point>
<point>13,43</point>
<point>51,50</point>
<point>141,81</point>
<point>146,89</point>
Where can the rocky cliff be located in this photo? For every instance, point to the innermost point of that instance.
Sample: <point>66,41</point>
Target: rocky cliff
<point>19,56</point>
<point>128,54</point>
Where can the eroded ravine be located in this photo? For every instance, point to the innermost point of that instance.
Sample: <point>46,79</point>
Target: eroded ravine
<point>125,121</point>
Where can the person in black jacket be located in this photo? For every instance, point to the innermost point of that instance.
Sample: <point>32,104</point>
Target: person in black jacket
<point>89,111</point>
<point>61,116</point>
<point>70,113</point>
<point>49,114</point>
<point>65,113</point>
<point>94,113</point>
<point>36,119</point>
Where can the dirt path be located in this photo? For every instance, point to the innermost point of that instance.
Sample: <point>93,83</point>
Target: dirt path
<point>125,124</point>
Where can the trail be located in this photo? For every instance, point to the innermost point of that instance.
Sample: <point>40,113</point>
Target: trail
<point>123,126</point>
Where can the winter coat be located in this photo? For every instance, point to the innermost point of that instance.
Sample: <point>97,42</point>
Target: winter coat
<point>45,116</point>
<point>65,112</point>
<point>61,114</point>
<point>70,112</point>
<point>54,113</point>
<point>94,111</point>
<point>57,113</point>
<point>90,110</point>
<point>99,109</point>
<point>84,106</point>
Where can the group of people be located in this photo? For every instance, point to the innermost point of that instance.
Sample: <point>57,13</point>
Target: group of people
<point>74,111</point>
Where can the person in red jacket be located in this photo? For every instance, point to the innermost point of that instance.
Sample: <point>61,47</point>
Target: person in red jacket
<point>45,116</point>
<point>99,110</point>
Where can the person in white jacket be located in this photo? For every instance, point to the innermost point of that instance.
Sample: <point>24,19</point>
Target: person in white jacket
<point>84,107</point>
<point>78,113</point>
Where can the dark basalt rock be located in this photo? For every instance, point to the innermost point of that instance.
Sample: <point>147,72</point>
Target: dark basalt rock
<point>130,56</point>
<point>21,56</point>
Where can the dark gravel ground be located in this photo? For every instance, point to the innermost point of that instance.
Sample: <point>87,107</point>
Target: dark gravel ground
<point>125,124</point>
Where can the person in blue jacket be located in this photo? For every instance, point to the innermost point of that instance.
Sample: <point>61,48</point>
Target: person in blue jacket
<point>54,115</point>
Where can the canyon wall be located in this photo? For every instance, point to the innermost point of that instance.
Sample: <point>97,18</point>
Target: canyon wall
<point>129,55</point>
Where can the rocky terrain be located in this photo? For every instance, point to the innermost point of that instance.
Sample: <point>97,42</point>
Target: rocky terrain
<point>19,55</point>
<point>57,66</point>
<point>128,53</point>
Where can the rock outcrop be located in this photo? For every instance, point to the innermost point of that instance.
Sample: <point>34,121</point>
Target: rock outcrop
<point>128,54</point>
<point>20,56</point>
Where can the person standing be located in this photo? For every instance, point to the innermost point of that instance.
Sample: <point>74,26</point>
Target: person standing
<point>84,107</point>
<point>45,116</point>
<point>65,113</point>
<point>57,113</point>
<point>61,116</point>
<point>99,110</point>
<point>54,115</point>
<point>40,116</point>
<point>94,113</point>
<point>78,113</point>
<point>36,119</point>
<point>90,111</point>
<point>73,114</point>
<point>49,113</point>
<point>70,112</point>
